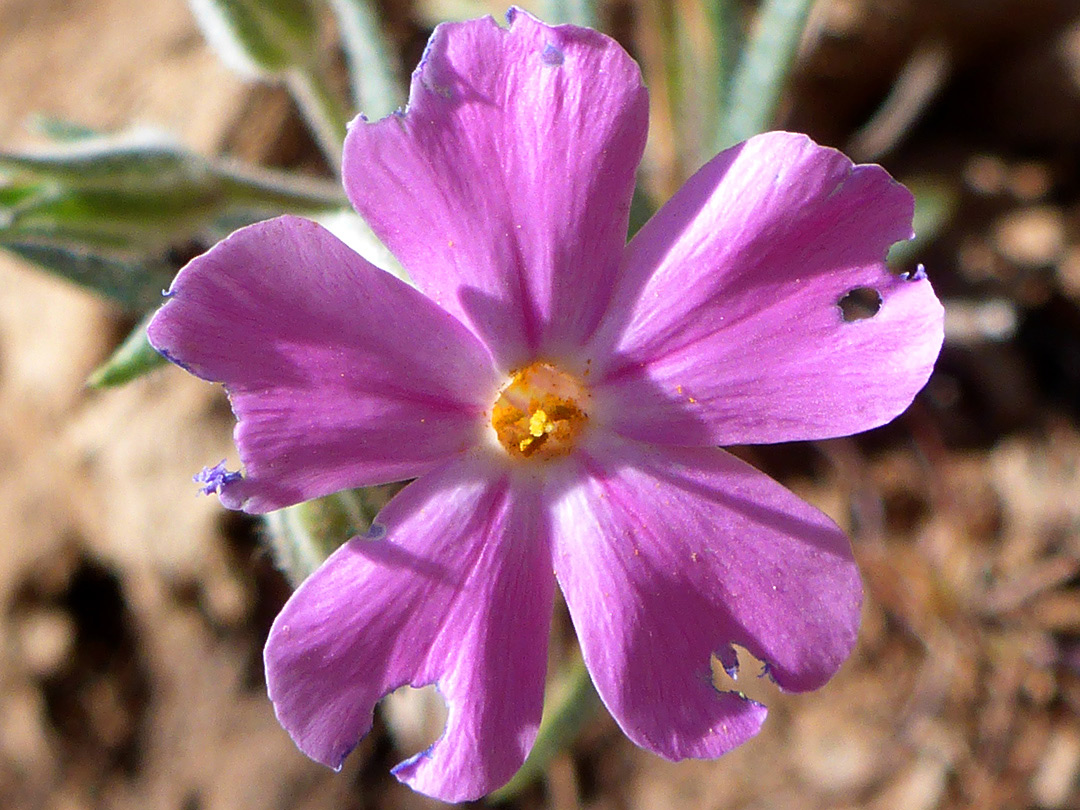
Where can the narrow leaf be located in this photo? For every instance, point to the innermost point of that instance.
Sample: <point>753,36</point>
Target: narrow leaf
<point>109,219</point>
<point>148,159</point>
<point>135,284</point>
<point>762,70</point>
<point>936,198</point>
<point>642,208</point>
<point>277,39</point>
<point>111,211</point>
<point>322,110</point>
<point>59,129</point>
<point>575,12</point>
<point>132,359</point>
<point>16,195</point>
<point>569,703</point>
<point>258,37</point>
<point>145,158</point>
<point>726,33</point>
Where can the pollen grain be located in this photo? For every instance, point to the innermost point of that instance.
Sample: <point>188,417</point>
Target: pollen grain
<point>540,413</point>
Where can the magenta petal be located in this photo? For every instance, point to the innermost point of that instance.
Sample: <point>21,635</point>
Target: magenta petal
<point>340,374</point>
<point>726,327</point>
<point>666,557</point>
<point>457,592</point>
<point>505,187</point>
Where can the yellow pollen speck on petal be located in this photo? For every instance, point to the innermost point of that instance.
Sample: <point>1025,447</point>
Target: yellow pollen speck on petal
<point>540,413</point>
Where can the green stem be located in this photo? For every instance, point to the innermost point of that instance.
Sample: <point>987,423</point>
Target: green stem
<point>762,70</point>
<point>289,191</point>
<point>570,703</point>
<point>642,208</point>
<point>372,64</point>
<point>576,12</point>
<point>324,113</point>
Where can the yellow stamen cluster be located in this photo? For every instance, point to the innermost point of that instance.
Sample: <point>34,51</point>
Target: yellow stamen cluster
<point>540,413</point>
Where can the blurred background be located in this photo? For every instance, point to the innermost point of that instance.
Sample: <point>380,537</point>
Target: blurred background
<point>132,613</point>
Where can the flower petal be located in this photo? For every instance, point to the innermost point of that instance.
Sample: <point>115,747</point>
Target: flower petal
<point>504,188</point>
<point>727,326</point>
<point>457,592</point>
<point>667,556</point>
<point>340,374</point>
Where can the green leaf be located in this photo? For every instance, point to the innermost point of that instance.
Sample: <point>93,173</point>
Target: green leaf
<point>432,12</point>
<point>936,199</point>
<point>322,110</point>
<point>258,37</point>
<point>575,12</point>
<point>277,39</point>
<point>59,129</point>
<point>132,359</point>
<point>14,195</point>
<point>140,158</point>
<point>726,34</point>
<point>148,160</point>
<point>641,209</point>
<point>112,212</point>
<point>134,283</point>
<point>131,220</point>
<point>762,71</point>
<point>570,702</point>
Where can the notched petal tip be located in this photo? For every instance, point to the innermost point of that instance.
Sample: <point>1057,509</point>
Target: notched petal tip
<point>918,274</point>
<point>215,479</point>
<point>767,672</point>
<point>406,770</point>
<point>728,659</point>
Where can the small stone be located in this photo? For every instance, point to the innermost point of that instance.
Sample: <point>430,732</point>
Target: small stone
<point>1069,272</point>
<point>1030,181</point>
<point>1056,776</point>
<point>977,259</point>
<point>836,755</point>
<point>979,321</point>
<point>1031,237</point>
<point>918,787</point>
<point>986,174</point>
<point>45,639</point>
<point>227,600</point>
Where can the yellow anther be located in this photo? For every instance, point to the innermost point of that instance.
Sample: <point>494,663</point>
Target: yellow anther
<point>540,412</point>
<point>539,424</point>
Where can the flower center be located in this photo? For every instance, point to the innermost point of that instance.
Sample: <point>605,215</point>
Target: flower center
<point>540,413</point>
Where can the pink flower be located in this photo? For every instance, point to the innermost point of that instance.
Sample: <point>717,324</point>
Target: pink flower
<point>559,396</point>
